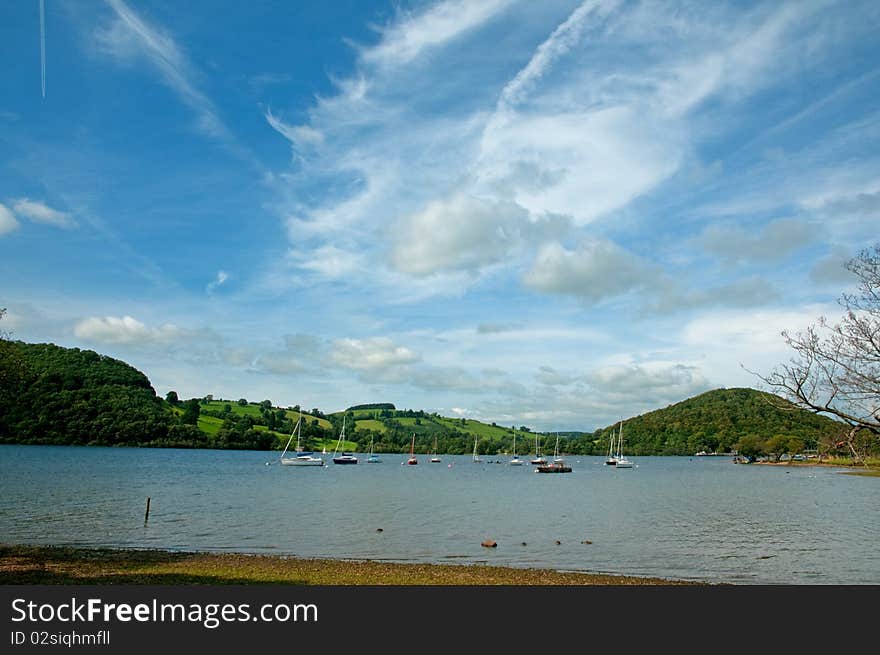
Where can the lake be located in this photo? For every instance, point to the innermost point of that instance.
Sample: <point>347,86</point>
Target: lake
<point>689,518</point>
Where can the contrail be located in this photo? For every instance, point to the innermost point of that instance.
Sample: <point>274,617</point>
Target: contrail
<point>43,46</point>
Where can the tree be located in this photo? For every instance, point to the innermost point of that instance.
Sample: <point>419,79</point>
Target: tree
<point>836,367</point>
<point>191,411</point>
<point>242,401</point>
<point>171,398</point>
<point>751,446</point>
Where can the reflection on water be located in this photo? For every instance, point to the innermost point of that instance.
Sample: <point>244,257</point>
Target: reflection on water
<point>695,518</point>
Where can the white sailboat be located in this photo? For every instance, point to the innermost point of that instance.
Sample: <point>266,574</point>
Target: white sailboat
<point>435,457</point>
<point>539,458</point>
<point>516,461</point>
<point>611,460</point>
<point>622,462</point>
<point>477,459</point>
<point>301,459</point>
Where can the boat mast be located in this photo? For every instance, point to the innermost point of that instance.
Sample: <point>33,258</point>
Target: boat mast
<point>284,452</point>
<point>341,436</point>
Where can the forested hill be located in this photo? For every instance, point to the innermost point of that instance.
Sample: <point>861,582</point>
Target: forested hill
<point>715,421</point>
<point>50,394</point>
<point>55,395</point>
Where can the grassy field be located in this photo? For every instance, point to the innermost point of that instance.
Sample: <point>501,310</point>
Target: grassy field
<point>210,425</point>
<point>370,424</point>
<point>254,411</point>
<point>51,565</point>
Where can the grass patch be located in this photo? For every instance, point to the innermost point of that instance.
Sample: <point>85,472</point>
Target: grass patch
<point>210,425</point>
<point>370,424</point>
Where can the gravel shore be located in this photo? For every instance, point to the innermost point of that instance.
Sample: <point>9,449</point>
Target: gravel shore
<point>65,565</point>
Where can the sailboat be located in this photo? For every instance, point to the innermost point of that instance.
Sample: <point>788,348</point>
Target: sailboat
<point>302,458</point>
<point>611,460</point>
<point>622,462</point>
<point>435,458</point>
<point>516,461</point>
<point>373,458</point>
<point>477,459</point>
<point>344,458</point>
<point>539,458</point>
<point>412,452</point>
<point>558,465</point>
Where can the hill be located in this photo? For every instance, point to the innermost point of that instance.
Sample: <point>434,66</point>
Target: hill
<point>713,421</point>
<point>55,395</point>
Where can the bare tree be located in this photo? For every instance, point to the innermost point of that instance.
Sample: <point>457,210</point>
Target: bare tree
<point>836,367</point>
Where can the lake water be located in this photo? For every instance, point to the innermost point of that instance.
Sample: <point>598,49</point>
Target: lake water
<point>692,518</point>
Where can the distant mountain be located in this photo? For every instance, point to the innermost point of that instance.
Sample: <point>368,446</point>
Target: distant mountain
<point>713,421</point>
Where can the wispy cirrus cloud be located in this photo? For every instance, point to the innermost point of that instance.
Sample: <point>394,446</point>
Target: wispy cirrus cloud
<point>7,220</point>
<point>576,130</point>
<point>129,36</point>
<point>40,212</point>
<point>412,34</point>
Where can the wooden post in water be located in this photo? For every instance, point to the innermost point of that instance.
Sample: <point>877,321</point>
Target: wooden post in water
<point>147,514</point>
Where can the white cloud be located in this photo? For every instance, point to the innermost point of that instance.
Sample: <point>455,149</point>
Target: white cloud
<point>124,330</point>
<point>7,220</point>
<point>559,43</point>
<point>654,383</point>
<point>407,38</point>
<point>594,271</point>
<point>328,261</point>
<point>222,277</point>
<point>593,162</point>
<point>375,355</point>
<point>41,213</point>
<point>755,332</point>
<point>300,136</point>
<point>461,233</point>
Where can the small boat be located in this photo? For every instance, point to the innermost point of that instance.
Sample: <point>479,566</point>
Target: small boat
<point>344,458</point>
<point>622,462</point>
<point>412,452</point>
<point>373,458</point>
<point>539,458</point>
<point>435,458</point>
<point>301,458</point>
<point>516,461</point>
<point>477,459</point>
<point>611,460</point>
<point>558,465</point>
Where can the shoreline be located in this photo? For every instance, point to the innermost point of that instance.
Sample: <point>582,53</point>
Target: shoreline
<point>64,565</point>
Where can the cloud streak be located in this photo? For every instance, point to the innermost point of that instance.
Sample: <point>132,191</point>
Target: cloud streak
<point>39,212</point>
<point>130,36</point>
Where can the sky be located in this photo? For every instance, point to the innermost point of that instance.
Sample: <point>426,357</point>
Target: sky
<point>554,214</point>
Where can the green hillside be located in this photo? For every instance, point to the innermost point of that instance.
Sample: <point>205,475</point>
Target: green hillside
<point>54,395</point>
<point>714,421</point>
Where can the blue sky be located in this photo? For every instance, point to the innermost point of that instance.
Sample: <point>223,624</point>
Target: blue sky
<point>551,214</point>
